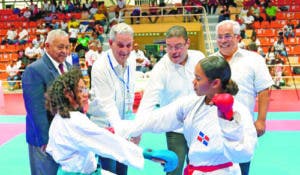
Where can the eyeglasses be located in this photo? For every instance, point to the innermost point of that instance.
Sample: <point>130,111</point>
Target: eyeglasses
<point>176,47</point>
<point>83,90</point>
<point>226,37</point>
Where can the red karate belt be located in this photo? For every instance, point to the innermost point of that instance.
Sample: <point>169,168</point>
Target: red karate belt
<point>189,169</point>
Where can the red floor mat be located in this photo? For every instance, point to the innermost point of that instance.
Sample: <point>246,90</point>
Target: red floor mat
<point>13,105</point>
<point>281,101</point>
<point>284,101</point>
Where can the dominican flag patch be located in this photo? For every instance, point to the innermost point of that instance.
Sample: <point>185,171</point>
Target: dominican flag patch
<point>203,138</point>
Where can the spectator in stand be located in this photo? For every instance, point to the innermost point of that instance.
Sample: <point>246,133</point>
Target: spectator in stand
<point>23,36</point>
<point>30,52</point>
<point>121,5</point>
<point>270,56</point>
<point>38,40</point>
<point>222,16</point>
<point>102,7</point>
<point>242,26</point>
<point>135,14</point>
<point>27,13</point>
<point>142,62</point>
<point>12,70</point>
<point>98,32</point>
<point>212,6</point>
<point>64,25</point>
<point>298,25</point>
<point>31,6</point>
<point>24,60</point>
<point>197,9</point>
<point>60,7</point>
<point>100,18</point>
<point>85,15</point>
<point>256,9</point>
<point>187,11</point>
<point>40,50</point>
<point>91,55</point>
<point>248,20</point>
<point>288,29</point>
<point>74,23</point>
<point>52,6</point>
<point>82,43</point>
<point>243,12</point>
<point>278,70</point>
<point>204,4</point>
<point>93,10</point>
<point>73,34</point>
<point>280,47</point>
<point>41,29</point>
<point>271,11</point>
<point>11,36</point>
<point>153,11</point>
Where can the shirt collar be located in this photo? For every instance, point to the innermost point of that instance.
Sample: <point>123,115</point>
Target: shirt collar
<point>114,61</point>
<point>55,63</point>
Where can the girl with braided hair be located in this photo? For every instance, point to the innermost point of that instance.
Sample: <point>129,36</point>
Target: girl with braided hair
<point>74,140</point>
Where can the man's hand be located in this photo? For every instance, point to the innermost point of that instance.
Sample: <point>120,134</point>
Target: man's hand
<point>135,140</point>
<point>260,126</point>
<point>139,60</point>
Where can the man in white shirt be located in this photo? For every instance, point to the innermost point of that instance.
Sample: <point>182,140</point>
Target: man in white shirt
<point>12,70</point>
<point>113,86</point>
<point>141,60</point>
<point>249,71</point>
<point>23,36</point>
<point>170,79</point>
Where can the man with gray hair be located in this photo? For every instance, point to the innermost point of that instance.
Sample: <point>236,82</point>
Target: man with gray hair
<point>112,87</point>
<point>249,71</point>
<point>38,76</point>
<point>170,79</point>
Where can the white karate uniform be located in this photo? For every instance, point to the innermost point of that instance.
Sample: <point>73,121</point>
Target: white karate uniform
<point>228,141</point>
<point>73,143</point>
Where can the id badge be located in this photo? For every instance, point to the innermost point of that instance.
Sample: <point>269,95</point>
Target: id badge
<point>128,107</point>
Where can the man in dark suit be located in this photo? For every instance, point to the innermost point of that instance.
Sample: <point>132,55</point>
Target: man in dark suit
<point>37,77</point>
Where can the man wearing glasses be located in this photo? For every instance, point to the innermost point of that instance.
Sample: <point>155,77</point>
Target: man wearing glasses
<point>170,79</point>
<point>249,71</point>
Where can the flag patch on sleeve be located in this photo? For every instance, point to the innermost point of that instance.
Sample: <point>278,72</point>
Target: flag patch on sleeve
<point>203,138</point>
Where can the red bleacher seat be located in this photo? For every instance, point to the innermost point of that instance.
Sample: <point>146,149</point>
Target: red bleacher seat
<point>297,16</point>
<point>297,32</point>
<point>276,24</point>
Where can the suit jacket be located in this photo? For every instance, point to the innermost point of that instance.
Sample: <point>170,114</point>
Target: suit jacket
<point>37,77</point>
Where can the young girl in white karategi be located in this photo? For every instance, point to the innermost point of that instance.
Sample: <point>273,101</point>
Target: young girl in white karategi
<point>74,139</point>
<point>219,131</point>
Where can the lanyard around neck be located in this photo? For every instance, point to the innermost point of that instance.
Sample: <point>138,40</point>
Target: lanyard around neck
<point>120,78</point>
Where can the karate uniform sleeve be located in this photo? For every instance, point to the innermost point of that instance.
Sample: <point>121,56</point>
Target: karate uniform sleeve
<point>240,135</point>
<point>100,141</point>
<point>167,118</point>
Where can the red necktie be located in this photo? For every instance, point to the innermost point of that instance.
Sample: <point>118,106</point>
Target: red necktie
<point>61,68</point>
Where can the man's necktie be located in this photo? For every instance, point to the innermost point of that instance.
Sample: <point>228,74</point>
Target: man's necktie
<point>61,68</point>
